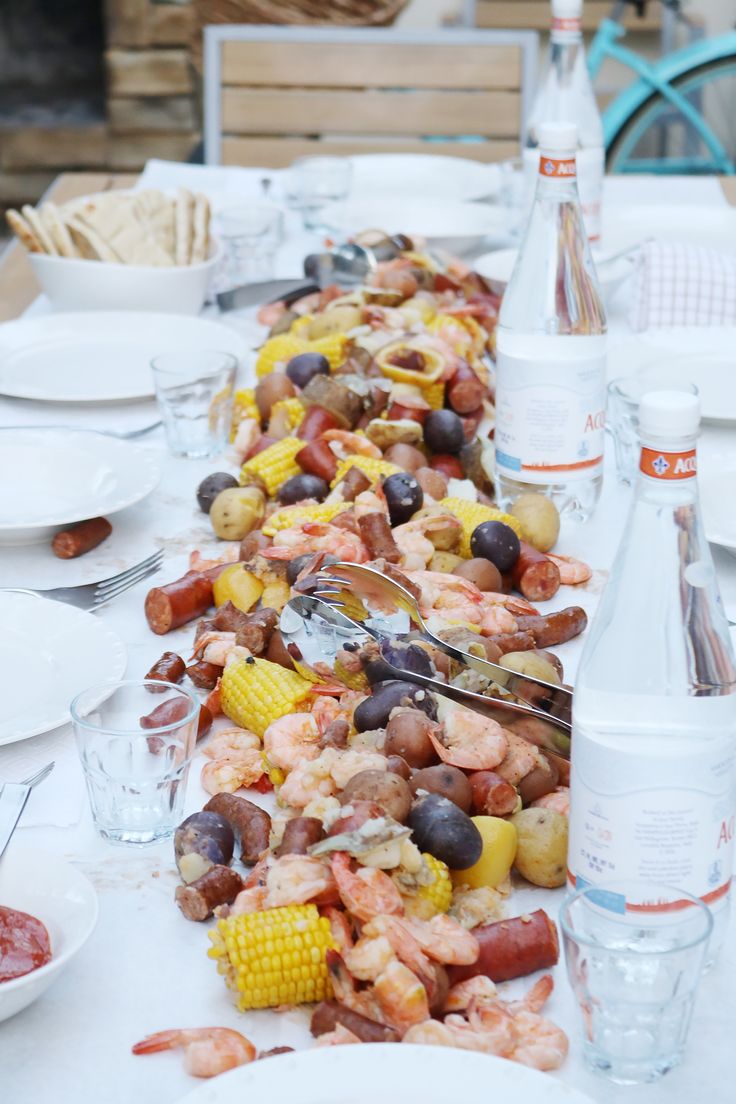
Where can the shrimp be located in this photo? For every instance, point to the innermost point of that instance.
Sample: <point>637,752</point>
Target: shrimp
<point>572,571</point>
<point>246,437</point>
<point>231,742</point>
<point>228,773</point>
<point>370,502</point>
<point>367,892</point>
<point>297,879</point>
<point>213,701</point>
<point>414,541</point>
<point>197,562</point>
<point>342,933</point>
<point>401,996</point>
<point>291,740</point>
<point>558,800</point>
<point>208,1051</point>
<point>476,990</point>
<point>340,1036</point>
<point>496,619</point>
<point>369,957</point>
<point>346,992</point>
<point>520,759</point>
<point>395,275</point>
<point>214,647</point>
<point>316,536</point>
<point>252,899</point>
<point>306,782</point>
<point>269,314</point>
<point>442,939</point>
<point>344,444</point>
<point>470,741</point>
<point>434,1033</point>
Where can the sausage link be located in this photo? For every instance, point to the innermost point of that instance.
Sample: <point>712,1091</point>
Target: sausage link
<point>251,824</point>
<point>465,392</point>
<point>328,1014</point>
<point>347,521</point>
<point>317,458</point>
<point>256,630</point>
<point>173,710</point>
<point>218,886</point>
<point>354,483</point>
<point>375,532</point>
<point>175,604</point>
<point>299,835</point>
<point>514,642</point>
<point>81,538</point>
<point>512,948</point>
<point>492,794</point>
<point>315,422</point>
<point>548,629</point>
<point>535,575</point>
<point>228,618</point>
<point>204,675</point>
<point>169,668</point>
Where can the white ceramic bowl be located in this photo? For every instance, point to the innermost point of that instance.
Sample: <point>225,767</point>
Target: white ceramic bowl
<point>75,284</point>
<point>61,898</point>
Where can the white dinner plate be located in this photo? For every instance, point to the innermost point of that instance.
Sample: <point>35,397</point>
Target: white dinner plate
<point>49,652</point>
<point>422,175</point>
<point>50,889</point>
<point>499,264</point>
<point>704,355</point>
<point>99,356</point>
<point>445,224</point>
<point>387,1072</point>
<point>625,225</point>
<point>53,477</point>
<point>717,485</point>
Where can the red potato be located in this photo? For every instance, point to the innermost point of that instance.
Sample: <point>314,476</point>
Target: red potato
<point>465,392</point>
<point>450,466</point>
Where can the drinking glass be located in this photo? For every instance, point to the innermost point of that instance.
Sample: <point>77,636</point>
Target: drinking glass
<point>515,194</point>
<point>622,415</point>
<point>635,973</point>
<point>195,395</point>
<point>317,181</point>
<point>136,746</point>
<point>250,236</point>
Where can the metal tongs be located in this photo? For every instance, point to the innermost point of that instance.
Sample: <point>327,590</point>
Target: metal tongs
<point>316,626</point>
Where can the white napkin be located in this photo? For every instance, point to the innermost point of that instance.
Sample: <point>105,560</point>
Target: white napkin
<point>59,800</point>
<point>680,284</point>
<point>219,182</point>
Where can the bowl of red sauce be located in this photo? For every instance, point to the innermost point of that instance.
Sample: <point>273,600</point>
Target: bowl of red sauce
<point>48,910</point>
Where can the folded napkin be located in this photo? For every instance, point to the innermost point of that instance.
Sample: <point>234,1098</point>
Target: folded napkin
<point>59,799</point>
<point>680,284</point>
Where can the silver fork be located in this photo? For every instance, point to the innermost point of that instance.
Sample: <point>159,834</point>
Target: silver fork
<point>91,596</point>
<point>39,776</point>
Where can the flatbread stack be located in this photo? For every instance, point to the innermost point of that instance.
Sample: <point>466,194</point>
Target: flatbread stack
<point>136,228</point>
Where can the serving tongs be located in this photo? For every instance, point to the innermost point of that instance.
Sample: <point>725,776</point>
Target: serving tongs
<point>542,716</point>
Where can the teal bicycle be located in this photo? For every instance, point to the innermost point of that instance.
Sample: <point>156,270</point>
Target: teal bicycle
<point>680,115</point>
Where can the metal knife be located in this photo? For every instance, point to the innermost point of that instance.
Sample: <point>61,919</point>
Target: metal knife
<point>267,291</point>
<point>13,799</point>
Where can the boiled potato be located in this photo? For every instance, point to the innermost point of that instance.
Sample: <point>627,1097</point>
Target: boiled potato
<point>445,562</point>
<point>338,320</point>
<point>497,857</point>
<point>541,850</point>
<point>540,520</point>
<point>236,511</point>
<point>531,664</point>
<point>238,586</point>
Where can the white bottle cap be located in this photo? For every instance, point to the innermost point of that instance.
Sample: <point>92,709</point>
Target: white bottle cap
<point>567,9</point>
<point>558,138</point>
<point>669,414</point>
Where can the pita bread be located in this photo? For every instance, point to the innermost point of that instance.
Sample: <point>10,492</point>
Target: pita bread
<point>89,244</point>
<point>184,221</point>
<point>158,213</point>
<point>112,218</point>
<point>23,231</point>
<point>201,239</point>
<point>51,218</point>
<point>33,217</point>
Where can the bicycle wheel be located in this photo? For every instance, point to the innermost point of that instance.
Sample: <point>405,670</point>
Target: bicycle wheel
<point>658,138</point>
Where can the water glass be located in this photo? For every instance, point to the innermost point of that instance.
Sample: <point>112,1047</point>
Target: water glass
<point>515,194</point>
<point>622,415</point>
<point>136,744</point>
<point>250,237</point>
<point>195,395</point>
<point>635,973</point>
<point>317,181</point>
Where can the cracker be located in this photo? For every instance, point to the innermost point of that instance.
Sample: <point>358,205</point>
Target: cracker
<point>89,243</point>
<point>34,219</point>
<point>185,204</point>
<point>23,231</point>
<point>62,239</point>
<point>201,234</point>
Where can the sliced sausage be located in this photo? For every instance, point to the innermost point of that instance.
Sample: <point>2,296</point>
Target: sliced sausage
<point>81,538</point>
<point>169,668</point>
<point>512,948</point>
<point>375,532</point>
<point>328,1014</point>
<point>177,603</point>
<point>251,824</point>
<point>535,575</point>
<point>548,629</point>
<point>299,835</point>
<point>220,885</point>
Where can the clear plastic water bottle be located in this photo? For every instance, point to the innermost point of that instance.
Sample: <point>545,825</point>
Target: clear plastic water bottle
<point>654,713</point>
<point>566,95</point>
<point>551,348</point>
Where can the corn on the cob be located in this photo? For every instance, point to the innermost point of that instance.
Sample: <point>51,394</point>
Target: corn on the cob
<point>293,409</point>
<point>374,469</point>
<point>472,514</point>
<point>295,515</point>
<point>255,692</point>
<point>280,349</point>
<point>244,406</point>
<point>430,892</point>
<point>354,680</point>
<point>274,957</point>
<point>300,326</point>
<point>435,395</point>
<point>275,464</point>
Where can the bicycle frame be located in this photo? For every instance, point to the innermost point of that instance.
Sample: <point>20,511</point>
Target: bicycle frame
<point>657,77</point>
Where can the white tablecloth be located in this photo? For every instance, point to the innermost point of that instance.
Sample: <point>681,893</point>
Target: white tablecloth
<point>145,967</point>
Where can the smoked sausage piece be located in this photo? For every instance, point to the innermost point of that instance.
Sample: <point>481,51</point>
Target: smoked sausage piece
<point>169,668</point>
<point>465,392</point>
<point>328,1014</point>
<point>24,943</point>
<point>535,575</point>
<point>299,835</point>
<point>315,422</point>
<point>173,710</point>
<point>512,948</point>
<point>177,603</point>
<point>204,675</point>
<point>81,538</point>
<point>548,629</point>
<point>492,794</point>
<point>514,642</point>
<point>256,630</point>
<point>220,885</point>
<point>354,483</point>
<point>317,458</point>
<point>375,532</point>
<point>251,824</point>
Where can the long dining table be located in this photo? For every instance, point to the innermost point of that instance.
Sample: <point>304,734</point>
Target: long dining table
<point>145,967</point>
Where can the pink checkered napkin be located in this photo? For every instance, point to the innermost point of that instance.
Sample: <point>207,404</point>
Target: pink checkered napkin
<point>679,284</point>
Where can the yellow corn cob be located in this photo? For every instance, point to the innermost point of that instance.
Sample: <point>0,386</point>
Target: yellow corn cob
<point>435,395</point>
<point>274,957</point>
<point>276,595</point>
<point>433,892</point>
<point>295,515</point>
<point>462,334</point>
<point>275,464</point>
<point>472,514</point>
<point>374,469</point>
<point>300,326</point>
<point>294,410</point>
<point>244,406</point>
<point>305,672</point>
<point>255,692</point>
<point>280,349</point>
<point>353,681</point>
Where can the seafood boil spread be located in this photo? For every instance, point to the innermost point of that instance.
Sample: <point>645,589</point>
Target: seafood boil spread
<point>365,832</point>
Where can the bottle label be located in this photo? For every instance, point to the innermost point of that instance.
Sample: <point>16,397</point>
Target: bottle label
<point>556,168</point>
<point>668,465</point>
<point>653,814</point>
<point>550,416</point>
<point>589,166</point>
<point>565,27</point>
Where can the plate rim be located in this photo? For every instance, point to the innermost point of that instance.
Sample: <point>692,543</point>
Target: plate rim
<point>119,652</point>
<point>491,213</point>
<point>493,182</point>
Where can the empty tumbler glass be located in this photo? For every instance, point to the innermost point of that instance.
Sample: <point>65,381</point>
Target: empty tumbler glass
<point>195,395</point>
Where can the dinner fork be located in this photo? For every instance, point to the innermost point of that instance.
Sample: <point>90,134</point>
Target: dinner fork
<point>39,776</point>
<point>91,596</point>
